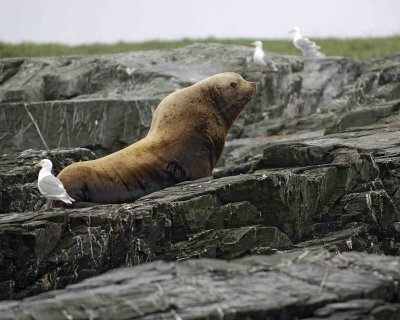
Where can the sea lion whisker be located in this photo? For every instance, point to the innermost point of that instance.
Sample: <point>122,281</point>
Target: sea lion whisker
<point>245,97</point>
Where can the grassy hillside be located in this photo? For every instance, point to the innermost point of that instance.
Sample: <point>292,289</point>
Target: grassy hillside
<point>363,49</point>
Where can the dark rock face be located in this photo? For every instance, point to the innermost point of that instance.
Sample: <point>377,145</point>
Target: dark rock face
<point>283,184</point>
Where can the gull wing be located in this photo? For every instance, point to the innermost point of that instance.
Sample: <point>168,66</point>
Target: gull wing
<point>52,186</point>
<point>306,44</point>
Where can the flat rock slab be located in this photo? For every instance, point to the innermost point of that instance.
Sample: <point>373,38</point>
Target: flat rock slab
<point>294,285</point>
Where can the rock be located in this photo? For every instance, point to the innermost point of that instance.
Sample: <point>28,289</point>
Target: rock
<point>313,164</point>
<point>78,97</point>
<point>363,117</point>
<point>358,309</point>
<point>95,124</point>
<point>296,192</point>
<point>284,286</point>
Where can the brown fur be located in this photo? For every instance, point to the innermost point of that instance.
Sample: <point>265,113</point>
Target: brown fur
<point>185,141</point>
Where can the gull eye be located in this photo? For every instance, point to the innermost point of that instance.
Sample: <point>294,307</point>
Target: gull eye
<point>233,84</point>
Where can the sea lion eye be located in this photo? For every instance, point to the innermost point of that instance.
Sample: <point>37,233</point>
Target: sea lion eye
<point>233,84</point>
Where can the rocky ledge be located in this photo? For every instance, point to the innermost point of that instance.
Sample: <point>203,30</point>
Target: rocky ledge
<point>285,286</point>
<point>311,171</point>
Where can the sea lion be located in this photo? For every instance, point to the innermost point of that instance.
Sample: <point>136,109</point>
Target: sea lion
<point>185,140</point>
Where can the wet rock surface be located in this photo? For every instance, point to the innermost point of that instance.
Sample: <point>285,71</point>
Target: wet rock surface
<point>312,170</point>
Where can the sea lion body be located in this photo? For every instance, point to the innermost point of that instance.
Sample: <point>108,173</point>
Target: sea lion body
<point>185,141</point>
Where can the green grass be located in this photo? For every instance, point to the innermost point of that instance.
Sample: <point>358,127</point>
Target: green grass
<point>362,49</point>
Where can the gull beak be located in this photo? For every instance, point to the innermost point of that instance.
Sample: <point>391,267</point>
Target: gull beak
<point>37,165</point>
<point>253,43</point>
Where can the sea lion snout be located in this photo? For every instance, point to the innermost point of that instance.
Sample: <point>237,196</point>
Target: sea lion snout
<point>250,89</point>
<point>248,86</point>
<point>253,87</point>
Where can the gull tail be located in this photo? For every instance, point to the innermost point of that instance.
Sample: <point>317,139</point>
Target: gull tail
<point>67,198</point>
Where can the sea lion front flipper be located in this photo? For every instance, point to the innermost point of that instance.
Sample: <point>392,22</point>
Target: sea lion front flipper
<point>177,171</point>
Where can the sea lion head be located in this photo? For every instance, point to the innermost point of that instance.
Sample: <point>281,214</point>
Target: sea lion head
<point>229,93</point>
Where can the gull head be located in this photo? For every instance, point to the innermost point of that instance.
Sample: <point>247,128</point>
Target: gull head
<point>295,30</point>
<point>45,163</point>
<point>257,44</point>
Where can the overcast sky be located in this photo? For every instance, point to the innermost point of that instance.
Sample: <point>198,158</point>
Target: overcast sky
<point>108,21</point>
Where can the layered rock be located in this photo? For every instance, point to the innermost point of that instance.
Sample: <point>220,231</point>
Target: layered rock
<point>106,102</point>
<point>286,286</point>
<point>313,164</point>
<point>325,192</point>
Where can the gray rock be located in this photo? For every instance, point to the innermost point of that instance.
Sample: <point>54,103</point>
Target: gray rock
<point>358,309</point>
<point>102,125</point>
<point>296,192</point>
<point>285,185</point>
<point>79,97</point>
<point>283,286</point>
<point>365,116</point>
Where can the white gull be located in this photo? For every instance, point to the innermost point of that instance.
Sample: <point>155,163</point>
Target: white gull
<point>50,186</point>
<point>307,47</point>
